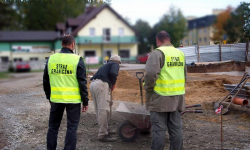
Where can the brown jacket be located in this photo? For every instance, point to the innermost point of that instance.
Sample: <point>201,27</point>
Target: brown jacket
<point>155,102</point>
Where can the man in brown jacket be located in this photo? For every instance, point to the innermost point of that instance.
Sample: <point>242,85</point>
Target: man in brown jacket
<point>165,110</point>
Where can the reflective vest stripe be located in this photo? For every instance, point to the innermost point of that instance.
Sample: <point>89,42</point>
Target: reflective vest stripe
<point>169,89</point>
<point>64,89</point>
<point>65,96</point>
<point>159,81</point>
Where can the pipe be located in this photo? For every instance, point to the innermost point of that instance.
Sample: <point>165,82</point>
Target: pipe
<point>240,101</point>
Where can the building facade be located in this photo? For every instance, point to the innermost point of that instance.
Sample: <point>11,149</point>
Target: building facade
<point>99,32</point>
<point>200,31</point>
<point>31,46</point>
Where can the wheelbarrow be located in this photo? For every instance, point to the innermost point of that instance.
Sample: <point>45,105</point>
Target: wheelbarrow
<point>137,118</point>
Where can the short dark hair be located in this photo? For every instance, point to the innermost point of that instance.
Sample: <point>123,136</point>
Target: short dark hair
<point>67,40</point>
<point>162,36</point>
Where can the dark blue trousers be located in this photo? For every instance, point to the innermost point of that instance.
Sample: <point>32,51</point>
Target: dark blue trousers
<point>73,117</point>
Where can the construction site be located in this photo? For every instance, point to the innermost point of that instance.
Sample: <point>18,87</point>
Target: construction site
<point>25,112</point>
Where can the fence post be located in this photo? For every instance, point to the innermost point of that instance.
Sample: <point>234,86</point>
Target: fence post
<point>247,48</point>
<point>198,56</point>
<point>220,52</point>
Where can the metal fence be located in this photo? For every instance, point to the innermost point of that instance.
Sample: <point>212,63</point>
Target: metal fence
<point>211,53</point>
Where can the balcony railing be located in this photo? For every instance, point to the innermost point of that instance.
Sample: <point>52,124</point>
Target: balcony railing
<point>100,39</point>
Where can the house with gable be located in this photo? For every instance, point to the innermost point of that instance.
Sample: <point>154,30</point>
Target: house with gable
<point>101,32</point>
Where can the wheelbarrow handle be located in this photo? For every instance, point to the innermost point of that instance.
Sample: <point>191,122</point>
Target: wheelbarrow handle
<point>192,111</point>
<point>196,105</point>
<point>198,111</point>
<point>138,73</point>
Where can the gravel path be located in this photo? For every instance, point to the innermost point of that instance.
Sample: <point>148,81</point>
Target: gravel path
<point>24,114</point>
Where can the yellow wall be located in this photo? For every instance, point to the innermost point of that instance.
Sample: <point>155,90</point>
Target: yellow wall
<point>96,48</point>
<point>132,47</point>
<point>106,19</point>
<point>113,47</point>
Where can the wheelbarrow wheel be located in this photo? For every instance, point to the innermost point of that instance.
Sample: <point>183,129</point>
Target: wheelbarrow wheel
<point>127,131</point>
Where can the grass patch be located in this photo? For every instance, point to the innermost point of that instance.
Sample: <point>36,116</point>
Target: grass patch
<point>4,75</point>
<point>93,66</point>
<point>41,70</point>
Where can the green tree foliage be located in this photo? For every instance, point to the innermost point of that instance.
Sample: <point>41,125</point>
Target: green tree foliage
<point>234,26</point>
<point>238,25</point>
<point>44,14</point>
<point>8,17</point>
<point>174,23</point>
<point>246,8</point>
<point>143,30</point>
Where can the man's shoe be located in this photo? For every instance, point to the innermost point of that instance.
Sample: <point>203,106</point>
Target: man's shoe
<point>107,139</point>
<point>112,131</point>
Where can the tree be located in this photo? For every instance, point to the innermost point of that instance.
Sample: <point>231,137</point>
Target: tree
<point>174,23</point>
<point>234,27</point>
<point>8,17</point>
<point>143,30</point>
<point>221,21</point>
<point>43,15</point>
<point>246,8</point>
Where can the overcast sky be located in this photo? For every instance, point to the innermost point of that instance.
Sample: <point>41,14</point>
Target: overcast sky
<point>152,10</point>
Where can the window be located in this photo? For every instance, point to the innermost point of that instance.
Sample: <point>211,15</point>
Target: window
<point>33,58</point>
<point>106,35</point>
<point>4,59</point>
<point>121,32</point>
<point>191,42</point>
<point>205,39</point>
<point>194,25</point>
<point>89,53</point>
<point>200,31</point>
<point>92,31</point>
<point>200,40</point>
<point>69,30</point>
<point>205,30</point>
<point>18,59</point>
<point>124,53</point>
<point>186,42</point>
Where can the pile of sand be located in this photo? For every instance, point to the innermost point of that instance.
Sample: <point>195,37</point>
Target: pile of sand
<point>197,92</point>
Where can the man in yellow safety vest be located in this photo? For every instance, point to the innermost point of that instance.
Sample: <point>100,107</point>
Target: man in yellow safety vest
<point>65,86</point>
<point>165,89</point>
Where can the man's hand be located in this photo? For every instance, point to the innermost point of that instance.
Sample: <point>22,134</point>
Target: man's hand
<point>113,88</point>
<point>110,103</point>
<point>84,108</point>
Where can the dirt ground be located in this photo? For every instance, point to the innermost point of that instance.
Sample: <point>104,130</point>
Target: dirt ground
<point>24,113</point>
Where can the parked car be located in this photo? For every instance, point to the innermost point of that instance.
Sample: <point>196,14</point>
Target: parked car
<point>22,66</point>
<point>143,58</point>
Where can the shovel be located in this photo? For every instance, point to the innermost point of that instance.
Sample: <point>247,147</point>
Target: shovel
<point>225,111</point>
<point>217,104</point>
<point>140,75</point>
<point>110,103</point>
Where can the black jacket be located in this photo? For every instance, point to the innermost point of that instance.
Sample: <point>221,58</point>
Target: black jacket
<point>81,77</point>
<point>108,73</point>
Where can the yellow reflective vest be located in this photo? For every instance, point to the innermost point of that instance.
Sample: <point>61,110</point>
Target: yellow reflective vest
<point>171,79</point>
<point>63,79</point>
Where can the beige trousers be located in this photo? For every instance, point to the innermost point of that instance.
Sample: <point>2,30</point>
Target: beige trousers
<point>100,94</point>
